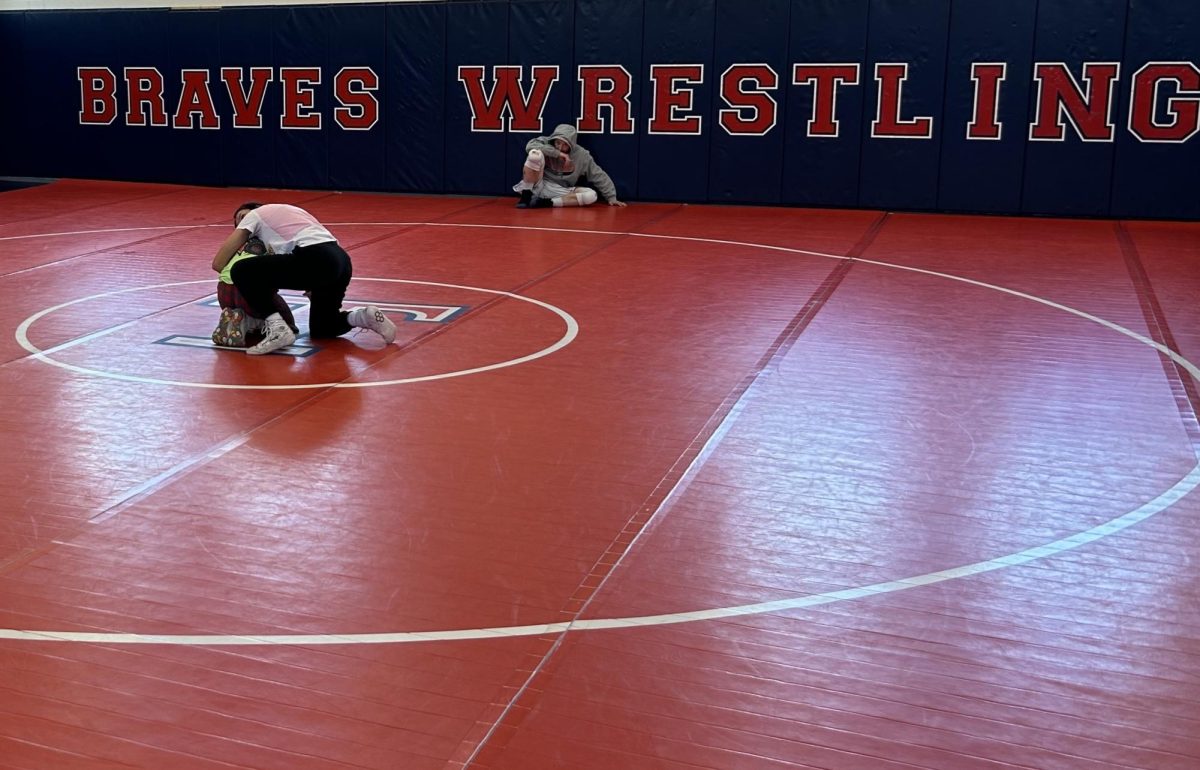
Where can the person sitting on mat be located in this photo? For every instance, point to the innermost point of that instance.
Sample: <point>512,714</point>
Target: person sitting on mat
<point>303,255</point>
<point>558,172</point>
<point>238,326</point>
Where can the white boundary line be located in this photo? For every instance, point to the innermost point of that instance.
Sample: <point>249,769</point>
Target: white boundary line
<point>1176,492</point>
<point>1139,514</point>
<point>22,335</point>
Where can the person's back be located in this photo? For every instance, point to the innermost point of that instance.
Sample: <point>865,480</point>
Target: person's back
<point>284,228</point>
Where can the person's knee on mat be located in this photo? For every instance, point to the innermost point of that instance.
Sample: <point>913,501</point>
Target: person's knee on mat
<point>584,196</point>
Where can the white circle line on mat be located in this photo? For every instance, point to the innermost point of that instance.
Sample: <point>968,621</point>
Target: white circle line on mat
<point>45,356</point>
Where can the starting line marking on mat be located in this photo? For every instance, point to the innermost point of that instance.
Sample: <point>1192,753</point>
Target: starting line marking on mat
<point>1176,492</point>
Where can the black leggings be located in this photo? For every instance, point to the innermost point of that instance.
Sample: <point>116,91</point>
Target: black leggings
<point>323,270</point>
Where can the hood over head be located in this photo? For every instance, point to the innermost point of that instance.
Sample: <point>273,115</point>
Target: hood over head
<point>566,132</point>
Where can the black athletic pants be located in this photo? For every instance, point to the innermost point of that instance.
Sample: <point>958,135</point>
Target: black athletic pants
<point>323,270</point>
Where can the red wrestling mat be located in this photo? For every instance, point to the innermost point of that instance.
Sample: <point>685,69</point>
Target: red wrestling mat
<point>655,487</point>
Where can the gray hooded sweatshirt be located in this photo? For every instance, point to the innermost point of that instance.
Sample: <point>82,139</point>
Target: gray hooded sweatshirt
<point>576,167</point>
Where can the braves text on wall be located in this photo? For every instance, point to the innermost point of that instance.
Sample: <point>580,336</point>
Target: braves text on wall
<point>146,103</point>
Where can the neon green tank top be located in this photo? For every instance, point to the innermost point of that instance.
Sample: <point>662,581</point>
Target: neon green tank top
<point>225,274</point>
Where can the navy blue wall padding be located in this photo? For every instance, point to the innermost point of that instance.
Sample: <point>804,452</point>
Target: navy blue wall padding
<point>749,169</point>
<point>193,154</point>
<point>904,172</point>
<point>675,167</point>
<point>609,32</point>
<point>424,141</point>
<point>980,175</point>
<point>154,146</point>
<point>47,123</point>
<point>824,170</point>
<point>357,37</point>
<point>1073,177</point>
<point>248,154</point>
<point>1157,179</point>
<point>302,156</point>
<point>541,32</point>
<point>476,162</point>
<point>418,91</point>
<point>110,39</point>
<point>12,133</point>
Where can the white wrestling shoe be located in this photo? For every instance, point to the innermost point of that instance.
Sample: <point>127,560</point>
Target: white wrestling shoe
<point>371,317</point>
<point>278,335</point>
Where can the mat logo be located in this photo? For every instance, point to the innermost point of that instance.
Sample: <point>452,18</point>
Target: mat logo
<point>146,103</point>
<point>1164,100</point>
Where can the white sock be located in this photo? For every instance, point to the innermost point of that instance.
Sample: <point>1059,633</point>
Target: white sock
<point>558,202</point>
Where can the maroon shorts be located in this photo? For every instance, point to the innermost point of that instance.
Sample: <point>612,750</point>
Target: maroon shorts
<point>229,297</point>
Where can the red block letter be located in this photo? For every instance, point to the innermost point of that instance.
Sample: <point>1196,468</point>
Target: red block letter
<point>1184,111</point>
<point>360,110</point>
<point>488,110</point>
<point>195,99</point>
<point>97,96</point>
<point>299,98</point>
<point>888,124</point>
<point>753,110</point>
<point>604,87</point>
<point>247,106</point>
<point>145,87</point>
<point>1059,96</point>
<point>825,79</point>
<point>670,102</point>
<point>985,123</point>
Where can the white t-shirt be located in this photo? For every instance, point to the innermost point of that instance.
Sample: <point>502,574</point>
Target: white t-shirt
<point>284,228</point>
